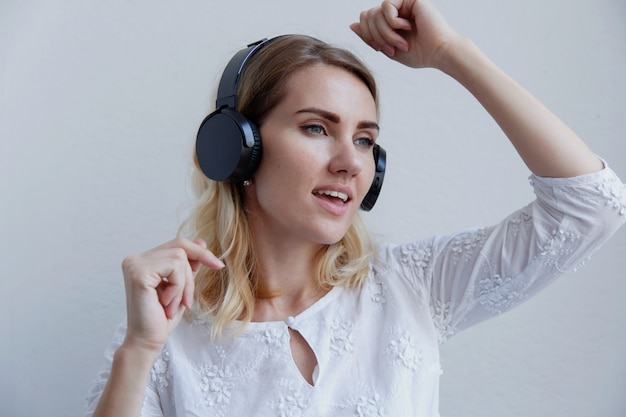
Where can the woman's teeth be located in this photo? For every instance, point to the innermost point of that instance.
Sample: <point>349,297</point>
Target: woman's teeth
<point>342,196</point>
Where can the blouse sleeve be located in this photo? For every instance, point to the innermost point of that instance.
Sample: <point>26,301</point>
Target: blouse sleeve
<point>481,273</point>
<point>151,403</point>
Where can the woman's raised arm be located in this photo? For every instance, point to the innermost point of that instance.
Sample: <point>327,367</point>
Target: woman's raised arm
<point>414,33</point>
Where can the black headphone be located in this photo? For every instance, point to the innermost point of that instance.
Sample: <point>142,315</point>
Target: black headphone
<point>228,145</point>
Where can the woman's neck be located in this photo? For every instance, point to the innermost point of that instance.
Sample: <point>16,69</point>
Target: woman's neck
<point>287,281</point>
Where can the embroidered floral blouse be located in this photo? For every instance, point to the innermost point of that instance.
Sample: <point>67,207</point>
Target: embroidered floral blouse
<point>377,347</point>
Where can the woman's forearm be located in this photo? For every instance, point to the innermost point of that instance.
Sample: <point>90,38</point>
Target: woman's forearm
<point>546,144</point>
<point>124,393</point>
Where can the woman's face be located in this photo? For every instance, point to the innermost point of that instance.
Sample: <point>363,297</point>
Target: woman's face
<point>317,160</point>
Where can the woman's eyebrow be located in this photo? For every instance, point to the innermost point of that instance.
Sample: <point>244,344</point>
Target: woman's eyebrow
<point>368,125</point>
<point>334,118</point>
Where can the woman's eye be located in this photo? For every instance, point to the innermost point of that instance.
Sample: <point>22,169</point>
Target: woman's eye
<point>364,142</point>
<point>315,129</point>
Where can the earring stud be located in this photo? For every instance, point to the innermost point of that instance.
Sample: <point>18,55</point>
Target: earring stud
<point>247,183</point>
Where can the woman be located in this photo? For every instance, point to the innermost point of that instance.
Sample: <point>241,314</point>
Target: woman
<point>292,311</point>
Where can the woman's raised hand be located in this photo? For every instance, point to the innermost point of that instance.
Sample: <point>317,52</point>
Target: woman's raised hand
<point>412,32</point>
<point>159,286</point>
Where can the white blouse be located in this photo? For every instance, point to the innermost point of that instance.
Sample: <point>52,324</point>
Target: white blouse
<point>377,347</point>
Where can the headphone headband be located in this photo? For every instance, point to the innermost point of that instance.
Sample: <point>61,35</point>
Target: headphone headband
<point>227,91</point>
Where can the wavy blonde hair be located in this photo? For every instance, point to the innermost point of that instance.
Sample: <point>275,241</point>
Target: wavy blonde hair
<point>219,216</point>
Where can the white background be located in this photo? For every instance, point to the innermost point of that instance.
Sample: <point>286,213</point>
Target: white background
<point>99,105</point>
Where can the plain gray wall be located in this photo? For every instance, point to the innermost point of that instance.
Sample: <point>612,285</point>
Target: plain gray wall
<point>99,104</point>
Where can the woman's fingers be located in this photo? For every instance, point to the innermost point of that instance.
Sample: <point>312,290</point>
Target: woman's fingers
<point>213,262</point>
<point>196,252</point>
<point>183,260</point>
<point>396,24</point>
<point>160,285</point>
<point>362,30</point>
<point>411,32</point>
<point>379,28</point>
<point>175,286</point>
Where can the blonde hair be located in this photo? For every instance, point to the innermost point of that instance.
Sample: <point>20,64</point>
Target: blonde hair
<point>219,216</point>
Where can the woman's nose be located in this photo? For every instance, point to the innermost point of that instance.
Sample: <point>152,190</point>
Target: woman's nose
<point>345,157</point>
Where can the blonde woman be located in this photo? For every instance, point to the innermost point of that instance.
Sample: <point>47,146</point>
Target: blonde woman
<point>278,303</point>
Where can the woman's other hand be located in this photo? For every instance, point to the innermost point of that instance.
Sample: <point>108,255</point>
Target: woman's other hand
<point>159,286</point>
<point>412,32</point>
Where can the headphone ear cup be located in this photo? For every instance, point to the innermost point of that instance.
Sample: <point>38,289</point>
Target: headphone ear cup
<point>228,146</point>
<point>253,154</point>
<point>380,160</point>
